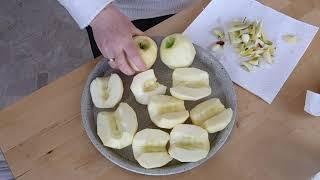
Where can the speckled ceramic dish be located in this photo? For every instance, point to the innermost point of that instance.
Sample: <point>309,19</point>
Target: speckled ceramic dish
<point>222,87</point>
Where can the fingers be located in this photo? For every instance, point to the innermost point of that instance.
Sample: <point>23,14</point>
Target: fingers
<point>123,65</point>
<point>127,60</point>
<point>107,55</point>
<point>113,64</point>
<point>134,57</point>
<point>107,50</point>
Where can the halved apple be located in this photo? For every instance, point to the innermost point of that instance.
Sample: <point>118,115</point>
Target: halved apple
<point>211,115</point>
<point>144,85</point>
<point>167,111</point>
<point>147,49</point>
<point>106,92</point>
<point>205,110</point>
<point>188,143</point>
<point>149,148</point>
<point>116,129</point>
<point>190,84</point>
<point>218,122</point>
<point>177,51</point>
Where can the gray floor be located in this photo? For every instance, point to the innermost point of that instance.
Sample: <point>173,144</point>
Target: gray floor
<point>39,42</point>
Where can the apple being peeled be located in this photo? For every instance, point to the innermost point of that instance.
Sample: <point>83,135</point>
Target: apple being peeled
<point>177,51</point>
<point>147,50</point>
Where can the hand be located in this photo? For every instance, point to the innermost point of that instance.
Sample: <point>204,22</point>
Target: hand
<point>113,33</point>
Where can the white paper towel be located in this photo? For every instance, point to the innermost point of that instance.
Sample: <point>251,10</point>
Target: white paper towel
<point>264,82</point>
<point>312,103</point>
<point>316,177</point>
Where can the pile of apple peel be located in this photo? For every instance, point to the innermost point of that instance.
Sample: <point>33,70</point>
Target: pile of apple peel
<point>249,41</point>
<point>153,148</point>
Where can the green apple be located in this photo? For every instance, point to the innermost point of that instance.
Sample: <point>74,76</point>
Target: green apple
<point>177,51</point>
<point>147,49</point>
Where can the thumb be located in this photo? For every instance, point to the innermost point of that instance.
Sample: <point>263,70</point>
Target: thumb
<point>113,64</point>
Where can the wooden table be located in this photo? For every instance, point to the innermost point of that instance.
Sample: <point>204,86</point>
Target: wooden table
<point>42,137</point>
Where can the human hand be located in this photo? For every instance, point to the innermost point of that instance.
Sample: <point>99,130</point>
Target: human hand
<point>113,33</point>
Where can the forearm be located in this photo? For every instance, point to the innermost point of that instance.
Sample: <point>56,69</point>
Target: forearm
<point>84,11</point>
<point>112,31</point>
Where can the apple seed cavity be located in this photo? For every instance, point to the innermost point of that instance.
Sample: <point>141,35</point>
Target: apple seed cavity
<point>144,44</point>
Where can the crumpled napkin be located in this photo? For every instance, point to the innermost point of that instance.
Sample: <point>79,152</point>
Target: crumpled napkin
<point>312,103</point>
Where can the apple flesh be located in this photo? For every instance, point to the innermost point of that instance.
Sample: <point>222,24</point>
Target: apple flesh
<point>211,115</point>
<point>203,111</point>
<point>218,122</point>
<point>149,148</point>
<point>189,143</point>
<point>147,49</point>
<point>176,51</point>
<point>116,129</point>
<point>106,92</point>
<point>167,111</point>
<point>144,85</point>
<point>190,84</point>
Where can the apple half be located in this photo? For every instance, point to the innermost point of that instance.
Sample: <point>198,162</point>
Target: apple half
<point>189,143</point>
<point>167,111</point>
<point>147,49</point>
<point>116,129</point>
<point>106,92</point>
<point>144,85</point>
<point>176,51</point>
<point>211,115</point>
<point>190,84</point>
<point>149,148</point>
<point>218,122</point>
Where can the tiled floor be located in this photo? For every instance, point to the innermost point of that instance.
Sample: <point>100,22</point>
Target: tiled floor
<point>39,42</point>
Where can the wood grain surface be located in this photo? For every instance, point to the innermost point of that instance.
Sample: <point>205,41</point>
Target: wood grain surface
<point>42,137</point>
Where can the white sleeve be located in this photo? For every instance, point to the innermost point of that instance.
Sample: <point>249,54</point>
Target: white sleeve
<point>84,11</point>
